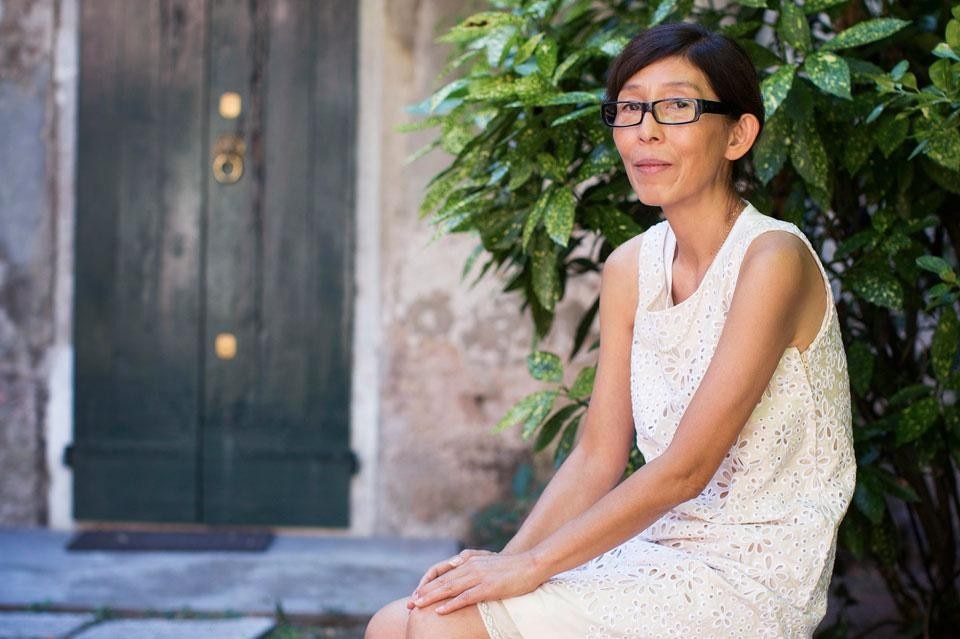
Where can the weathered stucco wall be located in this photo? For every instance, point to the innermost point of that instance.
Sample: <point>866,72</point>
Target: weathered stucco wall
<point>453,358</point>
<point>26,255</point>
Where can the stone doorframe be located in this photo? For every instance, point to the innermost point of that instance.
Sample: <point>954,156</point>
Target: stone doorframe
<point>365,399</point>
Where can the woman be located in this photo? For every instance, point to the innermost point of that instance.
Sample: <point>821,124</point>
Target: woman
<point>720,352</point>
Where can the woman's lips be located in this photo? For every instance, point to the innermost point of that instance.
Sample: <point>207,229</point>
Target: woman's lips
<point>649,168</point>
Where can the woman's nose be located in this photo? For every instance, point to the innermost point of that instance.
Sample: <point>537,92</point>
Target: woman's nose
<point>648,128</point>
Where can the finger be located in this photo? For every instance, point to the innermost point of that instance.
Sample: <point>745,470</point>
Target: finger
<point>438,569</point>
<point>445,588</point>
<point>464,599</point>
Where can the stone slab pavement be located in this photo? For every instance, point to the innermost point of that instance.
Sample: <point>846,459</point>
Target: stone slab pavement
<point>315,577</point>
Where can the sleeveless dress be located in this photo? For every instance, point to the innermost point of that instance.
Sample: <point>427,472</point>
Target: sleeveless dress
<point>753,554</point>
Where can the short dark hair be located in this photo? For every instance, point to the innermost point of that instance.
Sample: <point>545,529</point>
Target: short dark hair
<point>725,63</point>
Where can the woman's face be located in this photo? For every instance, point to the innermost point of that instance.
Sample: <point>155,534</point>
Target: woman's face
<point>671,163</point>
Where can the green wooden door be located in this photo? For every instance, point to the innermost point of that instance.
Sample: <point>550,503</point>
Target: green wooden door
<point>214,243</point>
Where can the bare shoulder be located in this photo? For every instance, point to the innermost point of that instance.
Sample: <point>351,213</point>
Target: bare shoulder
<point>620,272</point>
<point>779,258</point>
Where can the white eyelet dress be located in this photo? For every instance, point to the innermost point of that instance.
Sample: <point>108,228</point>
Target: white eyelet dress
<point>753,554</point>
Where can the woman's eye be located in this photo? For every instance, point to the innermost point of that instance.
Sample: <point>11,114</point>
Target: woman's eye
<point>680,105</point>
<point>630,106</point>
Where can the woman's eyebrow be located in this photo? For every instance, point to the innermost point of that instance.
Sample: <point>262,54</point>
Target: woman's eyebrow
<point>672,83</point>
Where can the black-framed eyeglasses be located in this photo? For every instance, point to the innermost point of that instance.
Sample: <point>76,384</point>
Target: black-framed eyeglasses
<point>619,113</point>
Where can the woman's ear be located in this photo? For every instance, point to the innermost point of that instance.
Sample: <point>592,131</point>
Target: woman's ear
<point>741,137</point>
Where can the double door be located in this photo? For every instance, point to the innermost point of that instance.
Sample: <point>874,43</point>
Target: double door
<point>214,245</point>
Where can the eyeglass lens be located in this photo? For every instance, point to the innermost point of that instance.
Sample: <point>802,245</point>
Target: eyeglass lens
<point>670,111</point>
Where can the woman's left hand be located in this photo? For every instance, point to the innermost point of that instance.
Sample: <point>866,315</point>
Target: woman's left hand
<point>480,578</point>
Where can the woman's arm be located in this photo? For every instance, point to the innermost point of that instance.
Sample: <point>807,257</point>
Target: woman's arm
<point>600,456</point>
<point>760,325</point>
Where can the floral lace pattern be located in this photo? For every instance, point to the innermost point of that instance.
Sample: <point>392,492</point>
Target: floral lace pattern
<point>752,555</point>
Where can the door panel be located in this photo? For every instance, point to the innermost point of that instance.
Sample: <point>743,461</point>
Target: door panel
<point>139,179</point>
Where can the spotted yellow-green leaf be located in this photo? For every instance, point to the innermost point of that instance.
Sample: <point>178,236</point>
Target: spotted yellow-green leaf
<point>583,385</point>
<point>944,75</point>
<point>593,110</point>
<point>877,287</point>
<point>775,88</point>
<point>664,9</point>
<point>565,66</point>
<point>864,33</point>
<point>573,97</point>
<point>793,27</point>
<point>916,419</point>
<point>808,155</point>
<point>944,148</point>
<point>812,6</point>
<point>829,72</point>
<point>529,412</point>
<point>547,57</point>
<point>615,225</point>
<point>559,216</point>
<point>759,4</point>
<point>943,347</point>
<point>545,366</point>
<point>526,50</point>
<point>890,133</point>
<point>535,216</point>
<point>856,149</point>
<point>480,24</point>
<point>567,439</point>
<point>546,278</point>
<point>771,150</point>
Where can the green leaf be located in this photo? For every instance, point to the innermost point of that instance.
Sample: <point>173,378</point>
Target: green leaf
<point>916,419</point>
<point>528,47</point>
<point>775,88</point>
<point>877,287</point>
<point>890,133</point>
<point>860,361</point>
<point>552,426</point>
<point>944,148</point>
<point>793,27</point>
<point>573,97</point>
<point>953,34</point>
<point>808,155</point>
<point>868,497</point>
<point>479,25</point>
<point>864,32</point>
<point>934,264</point>
<point>615,225</point>
<point>559,216</point>
<point>856,149</point>
<point>895,486</point>
<point>759,4</point>
<point>576,115</point>
<point>812,6</point>
<point>546,278</point>
<point>535,215</point>
<point>547,57</point>
<point>942,76</point>
<point>583,385</point>
<point>772,148</point>
<point>567,439</point>
<point>944,50</point>
<point>528,412</point>
<point>829,72</point>
<point>545,366</point>
<point>664,9</point>
<point>943,347</point>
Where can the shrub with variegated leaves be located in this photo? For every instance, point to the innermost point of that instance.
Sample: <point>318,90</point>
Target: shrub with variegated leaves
<point>861,150</point>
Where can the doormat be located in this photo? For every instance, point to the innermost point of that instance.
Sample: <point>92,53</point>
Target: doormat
<point>186,541</point>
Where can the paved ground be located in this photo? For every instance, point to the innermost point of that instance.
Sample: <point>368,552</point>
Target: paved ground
<point>320,578</point>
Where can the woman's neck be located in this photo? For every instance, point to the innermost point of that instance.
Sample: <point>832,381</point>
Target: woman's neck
<point>701,228</point>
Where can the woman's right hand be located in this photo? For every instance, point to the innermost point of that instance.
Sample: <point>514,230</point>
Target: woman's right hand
<point>446,565</point>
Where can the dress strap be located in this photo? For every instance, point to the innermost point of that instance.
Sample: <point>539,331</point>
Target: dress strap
<point>649,277</point>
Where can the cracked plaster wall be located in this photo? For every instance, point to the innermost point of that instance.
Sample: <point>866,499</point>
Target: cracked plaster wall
<point>26,255</point>
<point>454,357</point>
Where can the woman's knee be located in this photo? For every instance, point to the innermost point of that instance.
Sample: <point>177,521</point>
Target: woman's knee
<point>425,623</point>
<point>390,622</point>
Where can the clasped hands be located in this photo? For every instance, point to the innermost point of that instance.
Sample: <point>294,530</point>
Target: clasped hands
<point>474,576</point>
